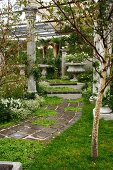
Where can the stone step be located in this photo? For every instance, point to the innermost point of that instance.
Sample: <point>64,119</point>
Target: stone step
<point>67,95</point>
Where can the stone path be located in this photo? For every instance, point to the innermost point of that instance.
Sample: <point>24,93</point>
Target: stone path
<point>26,130</point>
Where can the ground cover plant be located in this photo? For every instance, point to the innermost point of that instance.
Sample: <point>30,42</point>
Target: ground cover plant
<point>70,108</point>
<point>70,150</point>
<point>75,101</point>
<point>53,100</point>
<point>44,112</point>
<point>60,89</point>
<point>44,122</point>
<point>45,88</point>
<point>61,81</point>
<point>15,110</point>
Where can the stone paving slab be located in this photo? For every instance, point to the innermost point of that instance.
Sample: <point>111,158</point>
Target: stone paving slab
<point>18,135</point>
<point>2,136</point>
<point>50,130</point>
<point>52,107</point>
<point>7,132</point>
<point>42,135</point>
<point>27,130</point>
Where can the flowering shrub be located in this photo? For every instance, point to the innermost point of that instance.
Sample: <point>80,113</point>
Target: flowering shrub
<point>40,99</point>
<point>43,84</point>
<point>21,113</point>
<point>41,88</point>
<point>17,108</point>
<point>77,57</point>
<point>33,105</point>
<point>12,103</point>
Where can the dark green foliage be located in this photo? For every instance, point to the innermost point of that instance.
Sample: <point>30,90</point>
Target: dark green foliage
<point>39,56</point>
<point>85,77</point>
<point>13,86</point>
<point>22,57</point>
<point>50,72</point>
<point>36,72</point>
<point>5,113</point>
<point>76,44</point>
<point>29,95</point>
<point>87,92</point>
<point>41,90</point>
<point>108,99</point>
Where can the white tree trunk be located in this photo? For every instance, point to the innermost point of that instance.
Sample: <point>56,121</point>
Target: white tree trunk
<point>97,110</point>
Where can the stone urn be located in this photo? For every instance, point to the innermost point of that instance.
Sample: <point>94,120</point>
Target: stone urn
<point>22,69</point>
<point>75,68</point>
<point>44,69</point>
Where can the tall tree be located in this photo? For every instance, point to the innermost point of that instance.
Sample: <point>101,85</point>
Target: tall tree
<point>9,42</point>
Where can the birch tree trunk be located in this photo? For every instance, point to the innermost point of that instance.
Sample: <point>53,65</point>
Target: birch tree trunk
<point>97,109</point>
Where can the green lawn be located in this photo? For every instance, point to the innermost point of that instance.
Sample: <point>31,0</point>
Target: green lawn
<point>60,89</point>
<point>53,100</point>
<point>61,81</point>
<point>75,109</point>
<point>44,112</point>
<point>44,122</point>
<point>69,151</point>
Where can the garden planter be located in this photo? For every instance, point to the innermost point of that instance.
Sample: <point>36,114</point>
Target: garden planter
<point>75,68</point>
<point>44,69</point>
<point>105,113</point>
<point>4,165</point>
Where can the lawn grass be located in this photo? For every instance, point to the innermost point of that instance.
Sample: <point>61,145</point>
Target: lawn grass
<point>7,124</point>
<point>19,150</point>
<point>44,122</point>
<point>61,81</point>
<point>75,100</point>
<point>60,89</point>
<point>53,100</point>
<point>75,109</point>
<point>45,112</point>
<point>69,151</point>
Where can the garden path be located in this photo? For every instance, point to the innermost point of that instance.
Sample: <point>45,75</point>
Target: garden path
<point>63,119</point>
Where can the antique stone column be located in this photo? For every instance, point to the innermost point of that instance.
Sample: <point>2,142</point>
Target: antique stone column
<point>96,78</point>
<point>31,46</point>
<point>99,46</point>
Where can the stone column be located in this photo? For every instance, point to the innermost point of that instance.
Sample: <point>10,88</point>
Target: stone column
<point>31,46</point>
<point>99,46</point>
<point>63,62</point>
<point>96,78</point>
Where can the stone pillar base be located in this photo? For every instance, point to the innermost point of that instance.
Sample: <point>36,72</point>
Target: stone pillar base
<point>10,165</point>
<point>105,113</point>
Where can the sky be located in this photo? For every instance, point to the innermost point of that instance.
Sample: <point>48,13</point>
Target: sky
<point>5,2</point>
